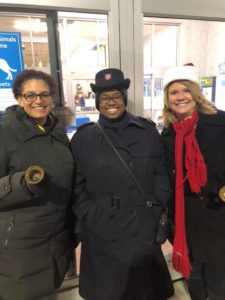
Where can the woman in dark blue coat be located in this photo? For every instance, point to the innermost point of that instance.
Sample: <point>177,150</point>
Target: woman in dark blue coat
<point>194,140</point>
<point>120,259</point>
<point>36,243</point>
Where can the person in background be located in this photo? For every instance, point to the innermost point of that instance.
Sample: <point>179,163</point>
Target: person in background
<point>36,174</point>
<point>79,96</point>
<point>194,141</point>
<point>119,257</point>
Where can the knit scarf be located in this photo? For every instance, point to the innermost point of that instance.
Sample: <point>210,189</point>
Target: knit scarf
<point>196,175</point>
<point>118,124</point>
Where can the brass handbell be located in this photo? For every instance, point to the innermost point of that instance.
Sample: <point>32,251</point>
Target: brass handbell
<point>34,174</point>
<point>222,193</point>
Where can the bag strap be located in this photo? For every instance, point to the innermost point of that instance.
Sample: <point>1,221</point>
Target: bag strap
<point>148,203</point>
<point>120,158</point>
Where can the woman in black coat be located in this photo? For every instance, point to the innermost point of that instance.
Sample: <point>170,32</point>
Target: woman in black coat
<point>120,259</point>
<point>36,243</point>
<point>194,140</point>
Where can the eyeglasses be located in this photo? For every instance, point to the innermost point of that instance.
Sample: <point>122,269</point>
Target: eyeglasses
<point>116,98</point>
<point>45,96</point>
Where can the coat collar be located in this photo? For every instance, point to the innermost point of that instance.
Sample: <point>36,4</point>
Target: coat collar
<point>126,140</point>
<point>167,131</point>
<point>209,128</point>
<point>21,125</point>
<point>136,121</point>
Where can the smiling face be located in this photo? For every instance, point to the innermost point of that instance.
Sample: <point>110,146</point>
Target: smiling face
<point>37,109</point>
<point>111,104</point>
<point>181,101</point>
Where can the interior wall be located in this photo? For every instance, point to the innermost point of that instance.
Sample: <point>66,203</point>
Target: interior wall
<point>203,44</point>
<point>193,44</point>
<point>215,47</point>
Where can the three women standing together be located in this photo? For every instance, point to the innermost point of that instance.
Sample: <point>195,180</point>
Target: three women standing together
<point>120,187</point>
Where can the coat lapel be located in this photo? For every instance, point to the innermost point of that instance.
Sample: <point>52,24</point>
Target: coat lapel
<point>209,128</point>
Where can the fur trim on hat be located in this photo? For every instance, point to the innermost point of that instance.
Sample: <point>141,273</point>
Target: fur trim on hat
<point>186,72</point>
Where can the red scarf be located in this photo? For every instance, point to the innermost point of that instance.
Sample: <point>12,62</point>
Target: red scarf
<point>196,174</point>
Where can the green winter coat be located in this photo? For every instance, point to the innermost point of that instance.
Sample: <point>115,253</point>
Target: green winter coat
<point>35,240</point>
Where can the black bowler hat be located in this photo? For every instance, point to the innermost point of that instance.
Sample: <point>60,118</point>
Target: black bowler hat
<point>109,79</point>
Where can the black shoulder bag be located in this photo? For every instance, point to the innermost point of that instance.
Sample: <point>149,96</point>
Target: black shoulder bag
<point>162,228</point>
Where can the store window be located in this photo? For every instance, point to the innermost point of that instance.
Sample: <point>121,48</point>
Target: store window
<point>33,29</point>
<point>35,41</point>
<point>84,51</point>
<point>35,50</point>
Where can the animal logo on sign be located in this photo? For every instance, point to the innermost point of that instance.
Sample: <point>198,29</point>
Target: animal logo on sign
<point>4,66</point>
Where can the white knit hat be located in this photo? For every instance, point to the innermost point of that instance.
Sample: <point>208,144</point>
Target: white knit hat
<point>185,72</point>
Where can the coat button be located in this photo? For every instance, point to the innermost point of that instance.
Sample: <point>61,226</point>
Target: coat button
<point>149,203</point>
<point>174,171</point>
<point>131,164</point>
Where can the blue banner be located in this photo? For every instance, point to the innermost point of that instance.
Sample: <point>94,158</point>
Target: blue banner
<point>11,58</point>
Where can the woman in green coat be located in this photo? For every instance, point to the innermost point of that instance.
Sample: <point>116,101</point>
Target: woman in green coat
<point>36,242</point>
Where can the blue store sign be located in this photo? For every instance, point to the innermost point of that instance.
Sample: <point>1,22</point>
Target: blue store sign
<point>11,58</point>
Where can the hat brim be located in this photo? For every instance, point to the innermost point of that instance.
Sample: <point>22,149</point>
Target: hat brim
<point>100,88</point>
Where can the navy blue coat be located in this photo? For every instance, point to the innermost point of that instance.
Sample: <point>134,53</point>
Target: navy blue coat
<point>119,259</point>
<point>204,213</point>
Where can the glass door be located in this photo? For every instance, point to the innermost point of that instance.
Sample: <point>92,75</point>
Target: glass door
<point>157,33</point>
<point>35,48</point>
<point>171,42</point>
<point>84,51</point>
<point>72,46</point>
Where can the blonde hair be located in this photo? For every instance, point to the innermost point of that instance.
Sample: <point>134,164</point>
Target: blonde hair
<point>202,104</point>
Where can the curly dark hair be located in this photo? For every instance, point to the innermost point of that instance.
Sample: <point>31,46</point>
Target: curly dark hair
<point>32,74</point>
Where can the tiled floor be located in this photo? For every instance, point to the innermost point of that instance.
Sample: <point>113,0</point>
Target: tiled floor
<point>181,292</point>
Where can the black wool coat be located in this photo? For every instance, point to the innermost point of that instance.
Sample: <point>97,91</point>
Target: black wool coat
<point>204,213</point>
<point>119,259</point>
<point>35,239</point>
